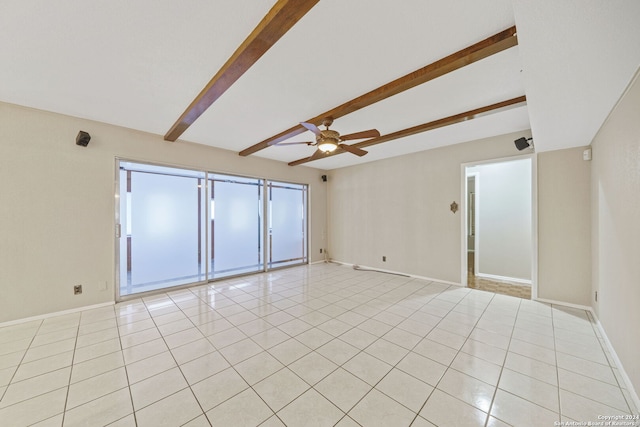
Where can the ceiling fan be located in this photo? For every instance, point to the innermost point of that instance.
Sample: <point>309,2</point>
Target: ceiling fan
<point>329,140</point>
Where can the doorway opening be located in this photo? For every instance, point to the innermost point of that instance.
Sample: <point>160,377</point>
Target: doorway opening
<point>498,226</point>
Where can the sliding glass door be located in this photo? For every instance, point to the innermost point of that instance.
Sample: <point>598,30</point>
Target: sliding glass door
<point>180,226</point>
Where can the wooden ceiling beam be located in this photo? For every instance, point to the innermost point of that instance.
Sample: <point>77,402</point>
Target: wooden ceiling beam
<point>280,19</point>
<point>487,47</point>
<point>447,121</point>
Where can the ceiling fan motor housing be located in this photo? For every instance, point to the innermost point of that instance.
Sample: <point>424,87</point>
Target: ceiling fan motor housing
<point>328,135</point>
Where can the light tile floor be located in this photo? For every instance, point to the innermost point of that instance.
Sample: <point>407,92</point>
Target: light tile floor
<point>318,345</point>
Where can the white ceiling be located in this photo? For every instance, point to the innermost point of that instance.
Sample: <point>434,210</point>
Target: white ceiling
<point>140,63</point>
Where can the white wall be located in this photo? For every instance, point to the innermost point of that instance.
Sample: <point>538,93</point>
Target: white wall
<point>504,244</point>
<point>399,208</point>
<point>564,226</point>
<point>615,210</point>
<point>57,204</point>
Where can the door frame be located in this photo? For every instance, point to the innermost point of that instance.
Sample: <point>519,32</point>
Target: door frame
<point>476,180</point>
<point>534,216</point>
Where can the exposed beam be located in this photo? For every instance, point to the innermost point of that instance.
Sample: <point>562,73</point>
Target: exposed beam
<point>282,16</point>
<point>487,47</point>
<point>462,117</point>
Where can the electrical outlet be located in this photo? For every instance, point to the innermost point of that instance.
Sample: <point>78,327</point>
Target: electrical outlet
<point>384,258</point>
<point>596,296</point>
<point>77,289</point>
<point>320,250</point>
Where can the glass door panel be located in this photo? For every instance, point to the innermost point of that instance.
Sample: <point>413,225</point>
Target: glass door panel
<point>162,229</point>
<point>236,224</point>
<point>287,224</point>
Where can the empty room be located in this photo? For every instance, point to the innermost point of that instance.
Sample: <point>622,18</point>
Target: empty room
<point>319,213</point>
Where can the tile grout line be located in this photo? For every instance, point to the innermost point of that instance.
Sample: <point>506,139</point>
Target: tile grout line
<point>452,360</point>
<point>410,350</point>
<point>66,399</point>
<point>591,378</point>
<point>417,413</point>
<point>162,336</point>
<point>605,350</point>
<point>41,374</point>
<point>21,360</point>
<point>495,392</point>
<point>334,370</point>
<point>124,366</point>
<point>458,351</point>
<point>555,355</point>
<point>70,374</point>
<point>311,387</point>
<point>363,351</point>
<point>249,386</point>
<point>126,370</point>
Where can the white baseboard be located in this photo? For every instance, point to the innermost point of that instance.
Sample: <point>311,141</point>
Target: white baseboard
<point>565,304</point>
<point>413,276</point>
<point>55,314</point>
<point>618,362</point>
<point>511,280</point>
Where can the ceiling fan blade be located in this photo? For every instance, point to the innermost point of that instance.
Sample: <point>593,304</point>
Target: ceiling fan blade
<point>317,155</point>
<point>355,150</point>
<point>371,133</point>
<point>313,128</point>
<point>280,144</point>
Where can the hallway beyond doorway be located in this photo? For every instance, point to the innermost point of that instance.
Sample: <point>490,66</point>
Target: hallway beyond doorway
<point>520,291</point>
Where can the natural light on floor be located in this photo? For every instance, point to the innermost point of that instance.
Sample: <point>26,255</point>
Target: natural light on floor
<point>323,342</point>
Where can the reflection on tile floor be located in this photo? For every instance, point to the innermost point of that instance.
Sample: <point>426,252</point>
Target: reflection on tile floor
<point>318,345</point>
<point>520,291</point>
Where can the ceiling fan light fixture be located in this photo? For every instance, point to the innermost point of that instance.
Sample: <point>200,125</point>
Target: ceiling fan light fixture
<point>327,146</point>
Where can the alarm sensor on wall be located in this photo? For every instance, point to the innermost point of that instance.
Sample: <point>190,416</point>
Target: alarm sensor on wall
<point>83,138</point>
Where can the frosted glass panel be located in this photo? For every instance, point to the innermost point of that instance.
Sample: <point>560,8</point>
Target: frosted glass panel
<point>288,224</point>
<point>165,244</point>
<point>236,223</point>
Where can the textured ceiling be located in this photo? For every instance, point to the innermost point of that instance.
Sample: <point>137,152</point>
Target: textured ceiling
<point>578,58</point>
<point>139,64</point>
